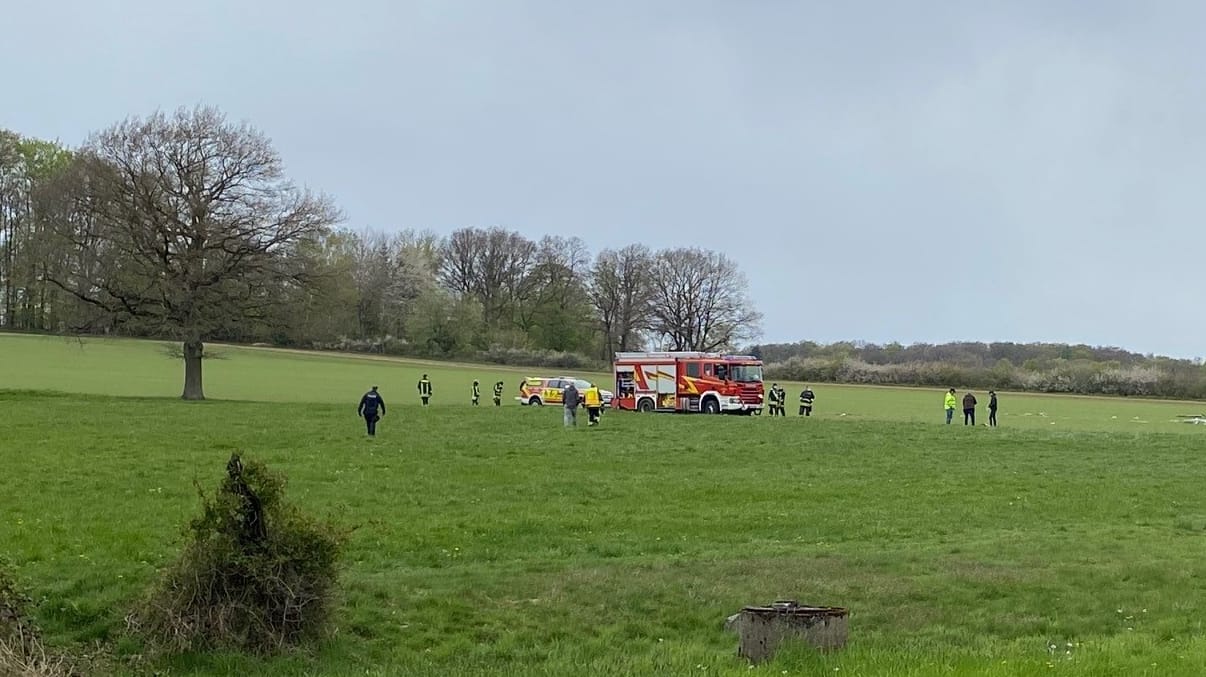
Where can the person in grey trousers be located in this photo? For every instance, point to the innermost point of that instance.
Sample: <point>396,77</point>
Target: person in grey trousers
<point>571,397</point>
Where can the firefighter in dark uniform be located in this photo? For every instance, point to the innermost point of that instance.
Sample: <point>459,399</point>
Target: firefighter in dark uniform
<point>369,404</point>
<point>774,399</point>
<point>498,388</point>
<point>424,389</point>
<point>782,401</point>
<point>477,392</point>
<point>806,398</point>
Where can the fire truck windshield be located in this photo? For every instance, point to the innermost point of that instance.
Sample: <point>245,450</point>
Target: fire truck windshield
<point>746,373</point>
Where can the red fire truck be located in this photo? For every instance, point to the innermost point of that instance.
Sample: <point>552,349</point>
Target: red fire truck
<point>710,383</point>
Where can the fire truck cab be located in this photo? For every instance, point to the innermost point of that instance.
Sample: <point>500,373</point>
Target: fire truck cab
<point>709,383</point>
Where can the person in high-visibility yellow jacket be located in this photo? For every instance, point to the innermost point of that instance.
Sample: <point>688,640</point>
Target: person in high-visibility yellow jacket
<point>594,404</point>
<point>951,403</point>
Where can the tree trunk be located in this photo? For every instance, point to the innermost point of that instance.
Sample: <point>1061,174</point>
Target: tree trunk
<point>192,370</point>
<point>764,629</point>
<point>7,269</point>
<point>43,320</point>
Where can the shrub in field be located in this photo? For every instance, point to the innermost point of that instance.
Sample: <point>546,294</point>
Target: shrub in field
<point>16,630</point>
<point>27,657</point>
<point>21,648</point>
<point>14,604</point>
<point>255,575</point>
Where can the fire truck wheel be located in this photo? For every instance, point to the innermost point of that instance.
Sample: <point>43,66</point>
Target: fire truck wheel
<point>535,402</point>
<point>711,406</point>
<point>645,405</point>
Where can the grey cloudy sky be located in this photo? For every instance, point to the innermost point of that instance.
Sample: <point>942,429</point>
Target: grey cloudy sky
<point>886,170</point>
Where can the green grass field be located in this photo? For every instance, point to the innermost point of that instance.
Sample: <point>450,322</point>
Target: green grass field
<point>492,541</point>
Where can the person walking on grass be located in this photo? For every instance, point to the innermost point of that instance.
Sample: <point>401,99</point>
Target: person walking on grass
<point>594,404</point>
<point>969,409</point>
<point>775,404</point>
<point>572,400</point>
<point>950,404</point>
<point>425,389</point>
<point>498,388</point>
<point>806,398</point>
<point>992,408</point>
<point>369,404</point>
<point>477,392</point>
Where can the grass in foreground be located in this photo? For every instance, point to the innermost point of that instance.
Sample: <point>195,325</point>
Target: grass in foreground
<point>494,542</point>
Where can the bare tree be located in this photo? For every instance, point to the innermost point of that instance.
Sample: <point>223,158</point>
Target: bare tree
<point>699,301</point>
<point>621,292</point>
<point>554,312</point>
<point>421,248</point>
<point>491,266</point>
<point>559,264</point>
<point>190,225</point>
<point>389,273</point>
<point>556,270</point>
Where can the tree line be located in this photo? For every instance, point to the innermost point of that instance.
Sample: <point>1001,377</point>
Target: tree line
<point>1034,367</point>
<point>183,225</point>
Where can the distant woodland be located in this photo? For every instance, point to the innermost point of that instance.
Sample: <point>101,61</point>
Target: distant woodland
<point>1035,367</point>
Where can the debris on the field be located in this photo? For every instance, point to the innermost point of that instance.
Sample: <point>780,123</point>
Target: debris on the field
<point>762,629</point>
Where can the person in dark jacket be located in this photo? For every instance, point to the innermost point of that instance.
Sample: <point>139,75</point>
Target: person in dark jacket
<point>969,409</point>
<point>806,397</point>
<point>572,400</point>
<point>775,403</point>
<point>992,408</point>
<point>369,404</point>
<point>477,392</point>
<point>424,389</point>
<point>498,388</point>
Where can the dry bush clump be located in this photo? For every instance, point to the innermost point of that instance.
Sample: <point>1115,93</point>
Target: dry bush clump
<point>25,656</point>
<point>22,653</point>
<point>256,575</point>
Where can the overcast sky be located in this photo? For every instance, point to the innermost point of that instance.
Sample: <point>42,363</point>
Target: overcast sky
<point>905,171</point>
